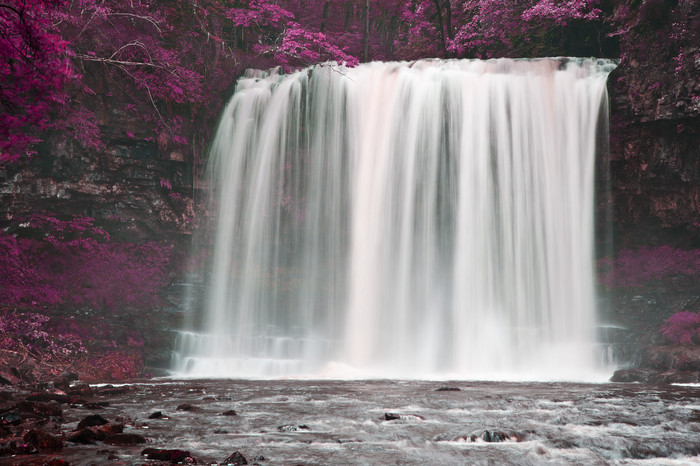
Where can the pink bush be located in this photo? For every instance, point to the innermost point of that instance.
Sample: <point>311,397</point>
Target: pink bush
<point>682,327</point>
<point>72,262</point>
<point>634,268</point>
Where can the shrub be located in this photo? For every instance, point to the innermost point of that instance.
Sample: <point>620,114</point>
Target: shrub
<point>682,328</point>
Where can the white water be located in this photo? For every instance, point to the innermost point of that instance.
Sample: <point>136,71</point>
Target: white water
<point>405,220</point>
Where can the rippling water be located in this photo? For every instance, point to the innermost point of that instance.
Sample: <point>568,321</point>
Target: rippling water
<point>407,422</point>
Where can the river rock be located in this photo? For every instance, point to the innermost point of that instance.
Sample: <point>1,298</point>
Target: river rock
<point>11,418</point>
<point>230,412</point>
<point>92,420</point>
<point>156,415</point>
<point>492,436</point>
<point>187,407</point>
<point>293,428</point>
<point>174,456</point>
<point>125,439</point>
<point>43,441</point>
<point>633,375</point>
<point>236,458</point>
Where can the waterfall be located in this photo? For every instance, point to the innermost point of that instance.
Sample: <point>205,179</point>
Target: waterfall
<point>432,218</point>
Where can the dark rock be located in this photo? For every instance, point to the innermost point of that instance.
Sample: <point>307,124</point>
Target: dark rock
<point>109,390</point>
<point>84,437</point>
<point>96,404</point>
<point>12,419</point>
<point>59,397</point>
<point>259,458</point>
<point>187,407</point>
<point>405,417</point>
<point>293,428</point>
<point>125,439</point>
<point>92,420</point>
<point>633,375</point>
<point>43,441</point>
<point>676,376</point>
<point>663,358</point>
<point>4,381</point>
<point>156,415</point>
<point>81,389</point>
<point>174,456</point>
<point>39,408</point>
<point>236,458</point>
<point>493,436</point>
<point>230,412</point>
<point>448,389</point>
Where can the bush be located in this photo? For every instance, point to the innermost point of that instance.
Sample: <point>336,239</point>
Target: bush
<point>682,328</point>
<point>49,261</point>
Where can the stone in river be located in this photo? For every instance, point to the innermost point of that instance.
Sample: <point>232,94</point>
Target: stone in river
<point>236,459</point>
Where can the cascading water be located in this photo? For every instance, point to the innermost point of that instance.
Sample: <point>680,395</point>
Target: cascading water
<point>405,219</point>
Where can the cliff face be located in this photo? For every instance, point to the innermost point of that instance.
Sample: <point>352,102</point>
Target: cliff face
<point>131,187</point>
<point>655,126</point>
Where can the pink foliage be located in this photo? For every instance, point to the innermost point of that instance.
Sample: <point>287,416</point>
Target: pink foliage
<point>682,328</point>
<point>634,268</point>
<point>72,262</point>
<point>34,66</point>
<point>30,332</point>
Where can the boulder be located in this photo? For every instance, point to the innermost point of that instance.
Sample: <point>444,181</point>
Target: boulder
<point>173,456</point>
<point>92,420</point>
<point>43,441</point>
<point>125,439</point>
<point>236,458</point>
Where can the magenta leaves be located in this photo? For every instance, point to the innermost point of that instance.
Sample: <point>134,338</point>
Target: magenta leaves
<point>34,67</point>
<point>682,328</point>
<point>636,268</point>
<point>73,263</point>
<point>30,332</point>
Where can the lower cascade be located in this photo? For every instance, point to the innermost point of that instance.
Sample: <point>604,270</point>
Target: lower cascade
<point>433,218</point>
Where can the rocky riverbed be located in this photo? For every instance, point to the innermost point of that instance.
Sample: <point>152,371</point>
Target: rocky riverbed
<point>349,422</point>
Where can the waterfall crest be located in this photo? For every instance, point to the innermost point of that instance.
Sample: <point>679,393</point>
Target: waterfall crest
<point>405,220</point>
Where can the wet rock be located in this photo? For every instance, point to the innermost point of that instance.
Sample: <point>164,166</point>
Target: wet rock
<point>10,419</point>
<point>109,390</point>
<point>81,389</point>
<point>293,428</point>
<point>405,417</point>
<point>494,436</point>
<point>96,404</point>
<point>156,415</point>
<point>92,420</point>
<point>14,447</point>
<point>259,458</point>
<point>236,458</point>
<point>4,381</point>
<point>88,435</point>
<point>125,439</point>
<point>230,412</point>
<point>677,376</point>
<point>448,389</point>
<point>187,407</point>
<point>663,358</point>
<point>174,456</point>
<point>43,441</point>
<point>84,437</point>
<point>59,397</point>
<point>40,409</point>
<point>633,375</point>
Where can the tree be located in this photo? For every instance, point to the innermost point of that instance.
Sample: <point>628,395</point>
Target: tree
<point>34,67</point>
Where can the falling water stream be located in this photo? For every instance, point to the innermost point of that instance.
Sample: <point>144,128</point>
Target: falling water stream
<point>423,219</point>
